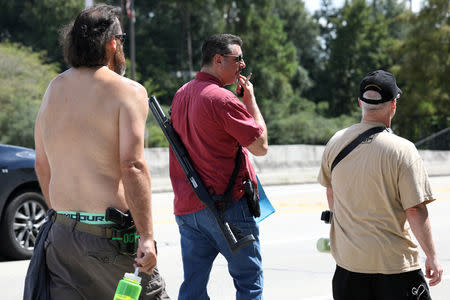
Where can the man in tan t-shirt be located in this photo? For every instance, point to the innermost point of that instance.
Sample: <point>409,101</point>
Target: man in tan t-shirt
<point>372,192</point>
<point>89,137</point>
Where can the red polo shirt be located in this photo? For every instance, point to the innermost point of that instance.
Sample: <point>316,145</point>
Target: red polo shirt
<point>211,122</point>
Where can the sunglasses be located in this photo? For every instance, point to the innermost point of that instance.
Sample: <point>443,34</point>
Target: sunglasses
<point>121,37</point>
<point>239,58</point>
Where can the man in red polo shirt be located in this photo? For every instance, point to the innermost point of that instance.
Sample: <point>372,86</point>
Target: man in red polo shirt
<point>212,122</point>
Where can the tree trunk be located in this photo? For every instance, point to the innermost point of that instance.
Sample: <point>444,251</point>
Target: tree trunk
<point>187,24</point>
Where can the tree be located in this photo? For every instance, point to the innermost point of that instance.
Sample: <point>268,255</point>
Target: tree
<point>423,70</point>
<point>269,55</point>
<point>163,31</point>
<point>36,23</point>
<point>359,44</point>
<point>306,70</point>
<point>396,12</point>
<point>303,31</point>
<point>23,81</point>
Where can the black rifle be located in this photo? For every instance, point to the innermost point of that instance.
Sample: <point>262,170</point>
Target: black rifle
<point>232,234</point>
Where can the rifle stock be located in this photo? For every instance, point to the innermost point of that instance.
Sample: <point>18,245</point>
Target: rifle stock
<point>232,234</point>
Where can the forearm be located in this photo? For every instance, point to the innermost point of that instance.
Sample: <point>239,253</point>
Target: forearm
<point>420,225</point>
<point>260,146</point>
<point>137,185</point>
<point>260,121</point>
<point>253,109</point>
<point>330,198</point>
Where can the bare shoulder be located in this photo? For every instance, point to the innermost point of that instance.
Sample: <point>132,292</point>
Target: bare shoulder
<point>130,89</point>
<point>56,85</point>
<point>58,81</point>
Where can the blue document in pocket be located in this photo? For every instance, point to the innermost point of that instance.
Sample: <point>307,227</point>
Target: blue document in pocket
<point>264,204</point>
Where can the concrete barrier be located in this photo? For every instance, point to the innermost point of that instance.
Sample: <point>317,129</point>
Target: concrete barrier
<point>437,163</point>
<point>286,164</point>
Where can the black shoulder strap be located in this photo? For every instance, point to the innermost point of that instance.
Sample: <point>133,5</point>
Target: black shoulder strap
<point>228,195</point>
<point>344,152</point>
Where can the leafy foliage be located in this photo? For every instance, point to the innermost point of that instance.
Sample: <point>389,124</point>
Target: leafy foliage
<point>155,136</point>
<point>360,45</point>
<point>23,81</point>
<point>423,73</point>
<point>306,68</point>
<point>36,23</point>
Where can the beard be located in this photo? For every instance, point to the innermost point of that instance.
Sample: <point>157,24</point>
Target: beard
<point>119,62</point>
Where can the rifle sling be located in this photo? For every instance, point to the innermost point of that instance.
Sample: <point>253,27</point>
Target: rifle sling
<point>227,196</point>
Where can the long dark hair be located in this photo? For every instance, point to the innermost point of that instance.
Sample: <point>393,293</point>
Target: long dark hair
<point>84,39</point>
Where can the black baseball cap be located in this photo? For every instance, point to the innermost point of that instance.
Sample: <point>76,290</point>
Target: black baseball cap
<point>381,81</point>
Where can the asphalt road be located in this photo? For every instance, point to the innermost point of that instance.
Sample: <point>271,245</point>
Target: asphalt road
<point>293,268</point>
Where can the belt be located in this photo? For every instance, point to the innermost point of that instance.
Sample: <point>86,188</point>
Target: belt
<point>98,230</point>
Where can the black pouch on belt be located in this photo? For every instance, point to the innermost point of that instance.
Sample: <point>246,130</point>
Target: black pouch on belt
<point>125,240</point>
<point>124,234</point>
<point>252,198</point>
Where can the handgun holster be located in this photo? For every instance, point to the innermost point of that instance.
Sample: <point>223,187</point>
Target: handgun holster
<point>252,198</point>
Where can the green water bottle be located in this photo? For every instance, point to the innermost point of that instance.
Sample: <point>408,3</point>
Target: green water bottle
<point>323,245</point>
<point>129,288</point>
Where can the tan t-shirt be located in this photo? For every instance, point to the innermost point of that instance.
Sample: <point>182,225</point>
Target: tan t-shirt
<point>372,188</point>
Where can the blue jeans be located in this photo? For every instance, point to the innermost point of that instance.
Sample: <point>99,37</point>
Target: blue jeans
<point>201,241</point>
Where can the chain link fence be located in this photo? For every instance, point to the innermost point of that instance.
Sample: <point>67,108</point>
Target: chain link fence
<point>437,141</point>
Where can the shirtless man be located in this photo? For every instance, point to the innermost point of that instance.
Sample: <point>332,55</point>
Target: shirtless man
<point>89,138</point>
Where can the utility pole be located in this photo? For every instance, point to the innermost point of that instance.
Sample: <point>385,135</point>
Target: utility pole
<point>132,42</point>
<point>374,10</point>
<point>132,17</point>
<point>187,24</point>
<point>122,9</point>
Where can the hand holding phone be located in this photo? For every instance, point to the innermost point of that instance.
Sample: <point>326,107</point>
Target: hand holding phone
<point>241,91</point>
